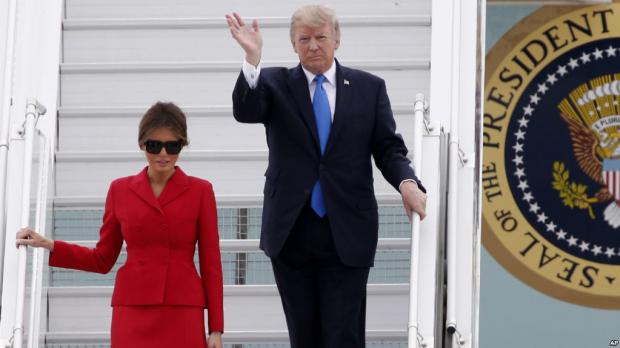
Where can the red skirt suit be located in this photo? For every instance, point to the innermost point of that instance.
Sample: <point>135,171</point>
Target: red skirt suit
<point>159,298</point>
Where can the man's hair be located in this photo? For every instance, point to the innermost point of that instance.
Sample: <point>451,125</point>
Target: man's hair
<point>314,15</point>
<point>163,115</point>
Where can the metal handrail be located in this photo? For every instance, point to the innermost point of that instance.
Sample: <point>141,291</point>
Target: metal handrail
<point>33,111</point>
<point>6,122</point>
<point>414,337</point>
<point>453,165</point>
<point>40,227</point>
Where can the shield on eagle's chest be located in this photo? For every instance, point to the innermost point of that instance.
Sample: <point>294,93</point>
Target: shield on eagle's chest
<point>611,176</point>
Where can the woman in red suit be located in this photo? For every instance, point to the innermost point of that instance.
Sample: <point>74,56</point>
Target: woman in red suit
<point>160,214</point>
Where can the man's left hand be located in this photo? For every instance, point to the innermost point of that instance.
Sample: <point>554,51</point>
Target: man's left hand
<point>414,200</point>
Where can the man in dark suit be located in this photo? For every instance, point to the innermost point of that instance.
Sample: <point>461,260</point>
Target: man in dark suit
<point>323,123</point>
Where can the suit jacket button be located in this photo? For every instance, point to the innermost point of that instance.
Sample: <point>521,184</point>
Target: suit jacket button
<point>165,226</point>
<point>307,192</point>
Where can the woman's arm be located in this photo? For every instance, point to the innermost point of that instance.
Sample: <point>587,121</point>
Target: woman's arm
<point>210,260</point>
<point>102,257</point>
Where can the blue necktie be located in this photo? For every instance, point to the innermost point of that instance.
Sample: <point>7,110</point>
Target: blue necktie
<point>323,118</point>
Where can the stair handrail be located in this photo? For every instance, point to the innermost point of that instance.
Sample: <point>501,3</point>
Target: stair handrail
<point>45,158</point>
<point>33,111</point>
<point>6,123</point>
<point>415,339</point>
<point>454,163</point>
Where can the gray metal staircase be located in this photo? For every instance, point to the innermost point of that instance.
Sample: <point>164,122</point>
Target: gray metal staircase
<point>120,56</point>
<point>79,307</point>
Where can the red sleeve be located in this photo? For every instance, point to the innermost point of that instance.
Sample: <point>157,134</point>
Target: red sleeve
<point>210,260</point>
<point>102,257</point>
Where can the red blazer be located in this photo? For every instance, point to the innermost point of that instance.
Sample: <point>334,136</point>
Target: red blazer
<point>161,235</point>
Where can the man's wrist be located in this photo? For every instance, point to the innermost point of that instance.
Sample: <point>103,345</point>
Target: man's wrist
<point>253,59</point>
<point>251,73</point>
<point>400,186</point>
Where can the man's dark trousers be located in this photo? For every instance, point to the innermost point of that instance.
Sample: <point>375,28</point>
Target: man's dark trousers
<point>323,299</point>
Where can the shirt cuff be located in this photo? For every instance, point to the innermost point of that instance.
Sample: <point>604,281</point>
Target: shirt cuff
<point>251,73</point>
<point>404,181</point>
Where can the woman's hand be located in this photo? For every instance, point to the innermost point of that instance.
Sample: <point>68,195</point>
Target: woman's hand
<point>27,236</point>
<point>215,340</point>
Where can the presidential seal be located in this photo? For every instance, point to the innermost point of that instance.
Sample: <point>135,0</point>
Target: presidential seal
<point>551,163</point>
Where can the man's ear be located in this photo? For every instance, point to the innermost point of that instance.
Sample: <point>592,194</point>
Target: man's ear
<point>337,37</point>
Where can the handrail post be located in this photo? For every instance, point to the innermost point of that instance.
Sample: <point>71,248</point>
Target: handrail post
<point>33,111</point>
<point>453,155</point>
<point>6,122</point>
<point>37,258</point>
<point>414,337</point>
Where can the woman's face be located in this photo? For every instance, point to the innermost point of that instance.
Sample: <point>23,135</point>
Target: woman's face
<point>162,162</point>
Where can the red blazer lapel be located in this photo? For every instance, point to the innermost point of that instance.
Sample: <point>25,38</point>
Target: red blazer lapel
<point>178,183</point>
<point>140,185</point>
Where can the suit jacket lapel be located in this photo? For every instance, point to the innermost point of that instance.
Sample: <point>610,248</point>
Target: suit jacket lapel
<point>176,185</point>
<point>141,186</point>
<point>343,99</point>
<point>298,84</point>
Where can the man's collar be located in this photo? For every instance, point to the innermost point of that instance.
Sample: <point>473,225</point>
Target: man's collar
<point>330,74</point>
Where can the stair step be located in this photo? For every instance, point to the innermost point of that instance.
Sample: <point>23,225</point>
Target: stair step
<point>248,308</point>
<point>83,202</point>
<point>230,172</point>
<point>198,84</point>
<point>116,128</point>
<point>236,224</point>
<point>218,8</point>
<point>391,266</point>
<point>249,339</point>
<point>195,39</point>
<point>81,226</point>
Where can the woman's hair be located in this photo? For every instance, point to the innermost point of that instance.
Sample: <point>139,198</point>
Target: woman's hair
<point>163,115</point>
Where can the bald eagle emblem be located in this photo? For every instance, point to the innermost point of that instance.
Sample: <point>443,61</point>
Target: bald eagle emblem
<point>592,115</point>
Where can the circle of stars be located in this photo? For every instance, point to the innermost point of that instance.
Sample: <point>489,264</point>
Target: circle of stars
<point>551,79</point>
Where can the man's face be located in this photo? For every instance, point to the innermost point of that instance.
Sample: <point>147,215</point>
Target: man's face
<point>315,46</point>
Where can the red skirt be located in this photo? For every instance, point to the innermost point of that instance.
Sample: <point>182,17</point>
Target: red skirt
<point>158,327</point>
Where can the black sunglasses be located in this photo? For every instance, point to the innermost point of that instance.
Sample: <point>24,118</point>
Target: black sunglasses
<point>155,146</point>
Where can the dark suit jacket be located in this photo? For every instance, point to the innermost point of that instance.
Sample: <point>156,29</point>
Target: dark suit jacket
<point>363,126</point>
<point>161,235</point>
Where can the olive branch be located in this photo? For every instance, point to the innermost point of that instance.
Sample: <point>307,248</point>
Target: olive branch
<point>573,194</point>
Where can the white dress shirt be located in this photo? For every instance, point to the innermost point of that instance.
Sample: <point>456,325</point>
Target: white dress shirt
<point>251,74</point>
